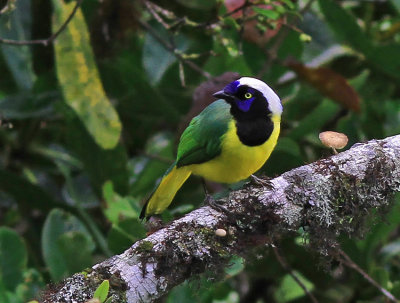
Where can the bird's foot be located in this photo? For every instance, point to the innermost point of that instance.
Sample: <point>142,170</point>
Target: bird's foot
<point>264,182</point>
<point>210,201</point>
<point>153,224</point>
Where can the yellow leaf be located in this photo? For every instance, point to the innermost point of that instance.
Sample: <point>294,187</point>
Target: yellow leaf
<point>79,78</point>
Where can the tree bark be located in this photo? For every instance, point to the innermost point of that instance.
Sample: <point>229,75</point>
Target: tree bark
<point>328,197</point>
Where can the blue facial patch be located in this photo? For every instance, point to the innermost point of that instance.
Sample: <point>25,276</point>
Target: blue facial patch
<point>244,105</point>
<point>232,87</point>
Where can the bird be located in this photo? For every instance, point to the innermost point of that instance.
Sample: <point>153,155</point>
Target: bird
<point>227,142</point>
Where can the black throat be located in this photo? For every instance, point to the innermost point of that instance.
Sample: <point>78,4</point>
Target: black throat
<point>255,126</point>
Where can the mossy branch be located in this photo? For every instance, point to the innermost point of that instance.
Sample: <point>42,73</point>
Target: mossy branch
<point>329,197</point>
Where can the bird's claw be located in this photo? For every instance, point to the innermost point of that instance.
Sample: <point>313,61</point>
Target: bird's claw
<point>210,201</point>
<point>153,224</point>
<point>265,182</point>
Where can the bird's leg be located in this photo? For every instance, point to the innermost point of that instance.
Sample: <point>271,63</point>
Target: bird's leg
<point>210,201</point>
<point>266,182</point>
<point>153,224</point>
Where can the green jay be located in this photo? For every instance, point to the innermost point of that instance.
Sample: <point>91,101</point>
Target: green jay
<point>227,142</point>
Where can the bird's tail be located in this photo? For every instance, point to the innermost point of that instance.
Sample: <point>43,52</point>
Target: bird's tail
<point>165,192</point>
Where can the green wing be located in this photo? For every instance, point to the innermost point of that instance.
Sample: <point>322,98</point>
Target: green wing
<point>201,140</point>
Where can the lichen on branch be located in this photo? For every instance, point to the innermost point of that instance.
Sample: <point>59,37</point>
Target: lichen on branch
<point>329,197</point>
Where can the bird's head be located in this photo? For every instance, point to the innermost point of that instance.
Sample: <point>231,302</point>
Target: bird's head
<point>250,95</point>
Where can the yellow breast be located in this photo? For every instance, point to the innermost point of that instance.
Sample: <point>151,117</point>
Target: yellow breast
<point>237,161</point>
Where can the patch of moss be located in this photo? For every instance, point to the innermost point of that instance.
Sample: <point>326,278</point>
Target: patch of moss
<point>144,246</point>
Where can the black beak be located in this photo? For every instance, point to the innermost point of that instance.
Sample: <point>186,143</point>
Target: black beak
<point>222,95</point>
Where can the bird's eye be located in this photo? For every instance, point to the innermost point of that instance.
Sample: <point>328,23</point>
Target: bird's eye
<point>248,95</point>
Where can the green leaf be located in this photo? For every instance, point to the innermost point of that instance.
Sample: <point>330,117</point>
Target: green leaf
<point>339,293</point>
<point>386,58</point>
<point>253,56</point>
<point>63,236</point>
<point>396,4</point>
<point>13,258</point>
<point>271,14</point>
<point>381,232</point>
<point>3,293</point>
<point>289,3</point>
<point>58,154</point>
<point>146,170</point>
<point>24,105</point>
<point>392,121</point>
<point>390,250</point>
<point>124,234</point>
<point>182,294</point>
<point>285,156</point>
<point>290,290</point>
<point>118,207</point>
<point>18,58</point>
<point>101,292</point>
<point>100,164</point>
<point>31,195</point>
<point>315,119</point>
<point>381,275</point>
<point>125,78</point>
<point>289,146</point>
<point>232,297</point>
<point>32,283</point>
<point>198,4</point>
<point>156,58</point>
<point>79,78</point>
<point>396,289</point>
<point>230,63</point>
<point>235,267</point>
<point>291,47</point>
<point>78,190</point>
<point>76,250</point>
<point>345,26</point>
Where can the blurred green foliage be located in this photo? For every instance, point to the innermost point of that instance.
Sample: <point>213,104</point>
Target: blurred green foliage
<point>91,122</point>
